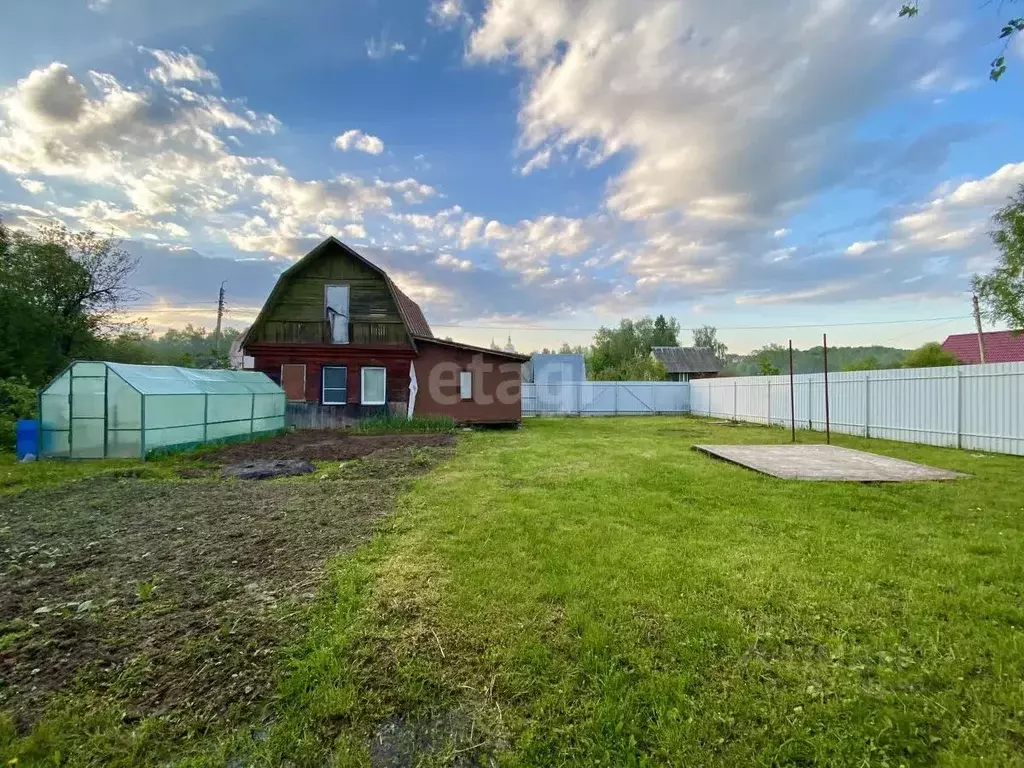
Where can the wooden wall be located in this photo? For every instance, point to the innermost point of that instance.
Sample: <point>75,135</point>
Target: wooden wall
<point>297,313</point>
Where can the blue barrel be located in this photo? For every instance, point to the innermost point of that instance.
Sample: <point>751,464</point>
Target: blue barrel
<point>27,438</point>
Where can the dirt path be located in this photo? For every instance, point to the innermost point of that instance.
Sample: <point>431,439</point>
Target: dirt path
<point>176,595</point>
<point>325,445</point>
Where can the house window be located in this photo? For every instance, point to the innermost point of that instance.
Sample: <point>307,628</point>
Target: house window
<point>466,385</point>
<point>373,386</point>
<point>336,307</point>
<point>335,385</point>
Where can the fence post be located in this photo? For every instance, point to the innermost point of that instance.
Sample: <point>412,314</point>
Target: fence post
<point>867,404</point>
<point>734,388</point>
<point>769,402</point>
<point>959,407</point>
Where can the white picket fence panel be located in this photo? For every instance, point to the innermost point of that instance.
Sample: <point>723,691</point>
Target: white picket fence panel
<point>978,407</point>
<point>606,398</point>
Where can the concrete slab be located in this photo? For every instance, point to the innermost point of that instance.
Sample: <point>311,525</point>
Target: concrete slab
<point>825,462</point>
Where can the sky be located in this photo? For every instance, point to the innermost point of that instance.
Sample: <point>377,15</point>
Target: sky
<point>530,168</point>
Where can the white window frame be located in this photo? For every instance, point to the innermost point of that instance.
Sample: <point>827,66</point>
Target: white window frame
<point>323,385</point>
<point>362,385</point>
<point>466,385</point>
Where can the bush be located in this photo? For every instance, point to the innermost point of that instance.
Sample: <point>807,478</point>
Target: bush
<point>391,423</point>
<point>17,401</point>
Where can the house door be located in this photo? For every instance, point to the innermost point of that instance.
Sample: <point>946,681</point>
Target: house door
<point>293,381</point>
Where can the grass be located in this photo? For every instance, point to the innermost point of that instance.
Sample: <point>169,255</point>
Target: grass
<point>394,424</point>
<point>594,592</point>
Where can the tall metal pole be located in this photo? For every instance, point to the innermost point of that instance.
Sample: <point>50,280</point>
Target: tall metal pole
<point>977,323</point>
<point>792,393</point>
<point>828,422</point>
<point>220,317</point>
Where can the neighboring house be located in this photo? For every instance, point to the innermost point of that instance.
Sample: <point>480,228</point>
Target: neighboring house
<point>555,369</point>
<point>344,342</point>
<point>1000,347</point>
<point>686,363</point>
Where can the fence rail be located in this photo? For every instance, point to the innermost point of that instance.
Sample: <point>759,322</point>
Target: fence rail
<point>606,398</point>
<point>978,407</point>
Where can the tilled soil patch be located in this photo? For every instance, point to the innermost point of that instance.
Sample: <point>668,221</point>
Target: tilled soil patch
<point>323,445</point>
<point>170,596</point>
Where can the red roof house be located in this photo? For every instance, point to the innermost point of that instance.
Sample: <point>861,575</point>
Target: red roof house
<point>344,342</point>
<point>1000,347</point>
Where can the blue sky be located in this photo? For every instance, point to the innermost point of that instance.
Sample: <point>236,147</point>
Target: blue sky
<point>529,164</point>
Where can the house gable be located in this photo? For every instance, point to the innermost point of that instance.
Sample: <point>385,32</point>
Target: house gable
<point>295,313</point>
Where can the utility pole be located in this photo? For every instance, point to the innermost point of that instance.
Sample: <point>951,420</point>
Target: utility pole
<point>220,317</point>
<point>977,323</point>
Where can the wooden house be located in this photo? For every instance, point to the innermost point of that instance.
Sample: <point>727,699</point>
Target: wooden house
<point>344,341</point>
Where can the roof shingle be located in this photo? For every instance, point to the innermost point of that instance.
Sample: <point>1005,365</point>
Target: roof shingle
<point>686,359</point>
<point>1000,347</point>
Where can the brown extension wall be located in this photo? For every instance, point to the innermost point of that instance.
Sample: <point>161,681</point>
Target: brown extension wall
<point>439,386</point>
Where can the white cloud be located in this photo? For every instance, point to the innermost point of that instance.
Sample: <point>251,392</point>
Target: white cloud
<point>164,156</point>
<point>540,160</point>
<point>957,216</point>
<point>447,13</point>
<point>98,6</point>
<point>382,47</point>
<point>722,127</point>
<point>861,247</point>
<point>357,140</point>
<point>105,217</point>
<point>173,67</point>
<point>32,185</point>
<point>447,260</point>
<point>471,231</point>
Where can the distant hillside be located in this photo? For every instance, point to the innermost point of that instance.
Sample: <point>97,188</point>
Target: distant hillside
<point>812,360</point>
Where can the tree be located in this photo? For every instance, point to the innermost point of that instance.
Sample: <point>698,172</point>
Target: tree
<point>60,294</point>
<point>666,332</point>
<point>1002,290</point>
<point>624,353</point>
<point>1012,27</point>
<point>766,367</point>
<point>706,337</point>
<point>930,355</point>
<point>869,363</point>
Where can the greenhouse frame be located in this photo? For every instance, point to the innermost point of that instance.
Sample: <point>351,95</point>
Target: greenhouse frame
<point>95,410</point>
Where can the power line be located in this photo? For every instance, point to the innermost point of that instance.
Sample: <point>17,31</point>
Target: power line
<point>513,326</point>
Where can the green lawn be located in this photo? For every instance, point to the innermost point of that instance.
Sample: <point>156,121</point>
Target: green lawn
<point>593,592</point>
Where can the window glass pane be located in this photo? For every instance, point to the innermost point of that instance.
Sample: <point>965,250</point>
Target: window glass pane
<point>466,385</point>
<point>337,312</point>
<point>335,377</point>
<point>335,385</point>
<point>373,386</point>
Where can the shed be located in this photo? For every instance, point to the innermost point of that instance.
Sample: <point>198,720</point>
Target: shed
<point>95,410</point>
<point>686,363</point>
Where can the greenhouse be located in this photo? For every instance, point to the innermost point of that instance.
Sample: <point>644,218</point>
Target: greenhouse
<point>97,410</point>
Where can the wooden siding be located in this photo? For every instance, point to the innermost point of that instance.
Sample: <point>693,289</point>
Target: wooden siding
<point>443,399</point>
<point>268,359</point>
<point>296,315</point>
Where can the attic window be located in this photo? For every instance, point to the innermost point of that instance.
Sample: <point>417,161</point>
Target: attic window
<point>336,308</point>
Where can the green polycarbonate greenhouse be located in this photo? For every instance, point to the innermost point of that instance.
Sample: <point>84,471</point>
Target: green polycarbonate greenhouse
<point>95,410</point>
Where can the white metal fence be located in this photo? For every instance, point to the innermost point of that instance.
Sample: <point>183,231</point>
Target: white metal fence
<point>606,398</point>
<point>979,407</point>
